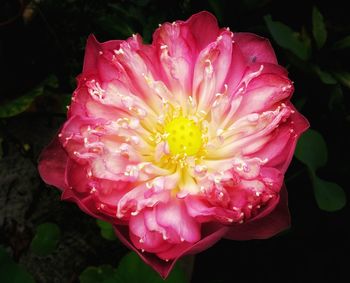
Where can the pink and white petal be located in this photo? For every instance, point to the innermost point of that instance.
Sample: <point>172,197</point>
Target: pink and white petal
<point>137,68</point>
<point>273,223</point>
<point>174,217</point>
<point>200,209</point>
<point>237,140</point>
<point>204,211</point>
<point>72,138</point>
<point>52,164</point>
<point>255,48</point>
<point>263,93</point>
<point>279,151</point>
<point>145,239</point>
<point>119,95</point>
<point>152,224</point>
<point>211,70</point>
<point>110,192</point>
<point>133,202</point>
<point>175,57</point>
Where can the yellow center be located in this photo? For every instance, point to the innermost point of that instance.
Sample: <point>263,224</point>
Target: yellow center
<point>184,136</point>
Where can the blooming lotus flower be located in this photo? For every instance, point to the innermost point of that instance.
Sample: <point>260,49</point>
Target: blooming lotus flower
<point>179,143</point>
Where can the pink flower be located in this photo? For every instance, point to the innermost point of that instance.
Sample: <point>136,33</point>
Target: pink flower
<point>181,142</point>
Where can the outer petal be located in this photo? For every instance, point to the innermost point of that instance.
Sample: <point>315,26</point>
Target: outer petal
<point>255,48</point>
<point>204,28</point>
<point>265,227</point>
<point>52,164</point>
<point>76,176</point>
<point>211,233</point>
<point>91,50</point>
<point>92,59</point>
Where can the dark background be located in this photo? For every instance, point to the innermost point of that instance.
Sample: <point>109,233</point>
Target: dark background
<point>41,51</point>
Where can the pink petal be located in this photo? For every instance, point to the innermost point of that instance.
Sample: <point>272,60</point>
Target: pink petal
<point>174,217</point>
<point>203,211</point>
<point>237,68</point>
<point>110,192</point>
<point>204,29</point>
<point>91,50</point>
<point>273,223</point>
<point>52,164</point>
<point>255,48</point>
<point>77,176</point>
<point>95,61</point>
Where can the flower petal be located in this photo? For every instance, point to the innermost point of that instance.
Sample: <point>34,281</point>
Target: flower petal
<point>211,70</point>
<point>204,29</point>
<point>52,164</point>
<point>174,217</point>
<point>255,48</point>
<point>145,239</point>
<point>275,222</point>
<point>211,233</point>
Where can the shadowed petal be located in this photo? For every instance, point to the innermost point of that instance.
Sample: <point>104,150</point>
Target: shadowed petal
<point>265,227</point>
<point>52,164</point>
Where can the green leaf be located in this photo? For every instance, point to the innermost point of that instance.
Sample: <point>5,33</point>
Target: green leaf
<point>11,272</point>
<point>99,274</point>
<point>318,28</point>
<point>342,43</point>
<point>107,230</point>
<point>4,257</point>
<point>329,196</point>
<point>343,77</point>
<point>46,239</point>
<point>336,99</point>
<point>287,38</point>
<point>312,149</point>
<point>20,104</point>
<point>131,262</point>
<point>324,76</point>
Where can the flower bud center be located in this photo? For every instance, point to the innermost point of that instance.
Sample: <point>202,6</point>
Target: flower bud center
<point>184,136</point>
